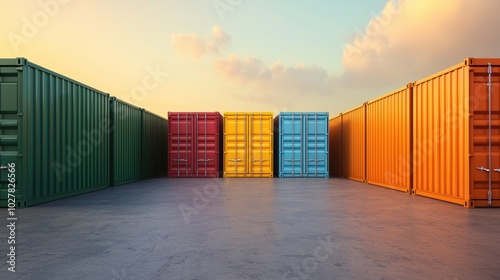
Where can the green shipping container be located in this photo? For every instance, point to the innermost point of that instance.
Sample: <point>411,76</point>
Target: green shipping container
<point>54,135</point>
<point>126,142</point>
<point>154,145</point>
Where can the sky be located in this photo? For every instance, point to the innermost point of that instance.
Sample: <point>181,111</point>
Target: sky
<point>245,56</point>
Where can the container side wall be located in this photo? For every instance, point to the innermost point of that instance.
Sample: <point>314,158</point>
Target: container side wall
<point>126,142</point>
<point>388,136</point>
<point>59,133</point>
<point>353,144</point>
<point>154,145</point>
<point>335,138</point>
<point>441,151</point>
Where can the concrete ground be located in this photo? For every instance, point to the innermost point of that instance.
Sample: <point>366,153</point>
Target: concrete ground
<point>253,229</point>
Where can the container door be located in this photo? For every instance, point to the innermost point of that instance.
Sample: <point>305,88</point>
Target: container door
<point>316,148</point>
<point>206,143</point>
<point>9,130</point>
<point>485,163</point>
<point>260,145</point>
<point>181,140</point>
<point>291,137</point>
<point>236,144</point>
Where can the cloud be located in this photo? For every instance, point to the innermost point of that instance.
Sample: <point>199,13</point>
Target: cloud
<point>192,45</point>
<point>275,78</point>
<point>411,39</point>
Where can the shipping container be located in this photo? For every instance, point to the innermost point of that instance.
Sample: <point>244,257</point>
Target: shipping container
<point>248,144</point>
<point>302,141</point>
<point>389,140</point>
<point>126,142</point>
<point>54,133</point>
<point>154,145</point>
<point>194,144</point>
<point>456,135</point>
<point>354,144</point>
<point>335,142</point>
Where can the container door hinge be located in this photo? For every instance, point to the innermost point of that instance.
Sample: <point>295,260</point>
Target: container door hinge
<point>482,169</point>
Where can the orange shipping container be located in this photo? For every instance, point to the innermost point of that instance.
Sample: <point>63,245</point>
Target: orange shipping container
<point>335,139</point>
<point>457,134</point>
<point>354,144</point>
<point>388,140</point>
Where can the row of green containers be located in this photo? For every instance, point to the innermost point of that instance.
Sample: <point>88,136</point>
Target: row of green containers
<point>437,137</point>
<point>60,138</point>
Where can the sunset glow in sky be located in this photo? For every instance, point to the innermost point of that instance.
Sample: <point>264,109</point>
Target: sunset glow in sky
<point>237,55</point>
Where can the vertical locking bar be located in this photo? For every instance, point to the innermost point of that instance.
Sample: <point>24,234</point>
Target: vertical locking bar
<point>261,145</point>
<point>186,149</point>
<point>489,134</point>
<point>206,156</point>
<point>178,144</point>
<point>293,144</point>
<point>236,143</point>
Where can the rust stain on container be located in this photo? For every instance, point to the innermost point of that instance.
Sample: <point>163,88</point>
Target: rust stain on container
<point>457,134</point>
<point>389,140</point>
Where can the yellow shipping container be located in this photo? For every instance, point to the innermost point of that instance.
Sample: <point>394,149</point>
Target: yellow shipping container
<point>354,144</point>
<point>248,144</point>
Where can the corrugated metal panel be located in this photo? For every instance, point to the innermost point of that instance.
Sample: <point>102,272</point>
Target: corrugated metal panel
<point>335,127</point>
<point>389,140</point>
<point>303,144</point>
<point>452,134</point>
<point>154,145</point>
<point>248,144</point>
<point>194,144</point>
<point>354,144</point>
<point>55,130</point>
<point>126,142</point>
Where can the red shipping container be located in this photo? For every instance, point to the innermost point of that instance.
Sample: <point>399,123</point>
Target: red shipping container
<point>194,144</point>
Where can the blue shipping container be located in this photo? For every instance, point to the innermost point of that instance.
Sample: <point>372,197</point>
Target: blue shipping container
<point>302,140</point>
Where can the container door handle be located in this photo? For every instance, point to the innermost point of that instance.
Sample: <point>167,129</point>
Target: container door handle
<point>180,159</point>
<point>3,167</point>
<point>261,160</point>
<point>316,160</point>
<point>496,170</point>
<point>482,169</point>
<point>236,160</point>
<point>205,160</point>
<point>292,160</point>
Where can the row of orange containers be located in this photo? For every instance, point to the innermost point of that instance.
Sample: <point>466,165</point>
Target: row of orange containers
<point>437,137</point>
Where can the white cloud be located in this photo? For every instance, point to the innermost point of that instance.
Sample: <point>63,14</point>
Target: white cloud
<point>276,78</point>
<point>415,38</point>
<point>192,45</point>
